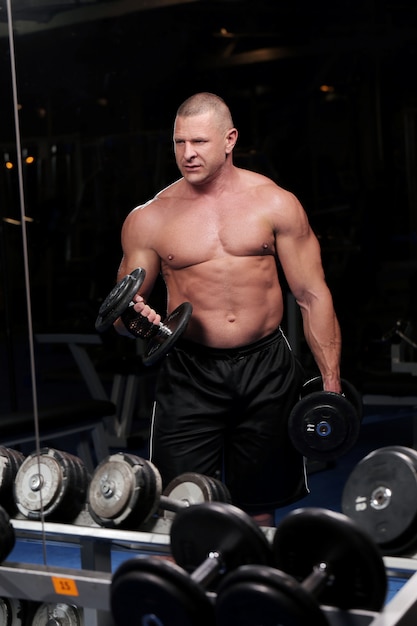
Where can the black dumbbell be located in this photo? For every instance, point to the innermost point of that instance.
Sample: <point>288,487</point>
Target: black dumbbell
<point>10,462</point>
<point>8,537</point>
<point>192,488</point>
<point>320,558</point>
<point>380,494</point>
<point>207,541</point>
<point>324,425</point>
<point>16,612</point>
<point>125,491</point>
<point>160,337</point>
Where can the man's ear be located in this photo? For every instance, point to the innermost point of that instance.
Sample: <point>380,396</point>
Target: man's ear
<point>231,139</point>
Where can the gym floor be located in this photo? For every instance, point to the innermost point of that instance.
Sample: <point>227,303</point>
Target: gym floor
<point>381,426</point>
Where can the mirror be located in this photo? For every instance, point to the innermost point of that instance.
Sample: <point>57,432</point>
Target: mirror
<point>324,104</point>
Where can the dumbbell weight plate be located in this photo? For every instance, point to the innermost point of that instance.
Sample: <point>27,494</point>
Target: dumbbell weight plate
<point>155,591</point>
<point>221,491</point>
<point>10,461</point>
<point>265,596</point>
<point>59,613</point>
<point>119,299</point>
<point>160,344</point>
<point>13,612</point>
<point>324,425</point>
<point>380,495</point>
<point>349,391</point>
<point>220,527</point>
<point>7,535</point>
<point>124,491</point>
<point>191,488</point>
<point>80,479</point>
<point>307,537</point>
<point>52,482</point>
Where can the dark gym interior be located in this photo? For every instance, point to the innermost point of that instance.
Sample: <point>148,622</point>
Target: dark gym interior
<point>324,95</point>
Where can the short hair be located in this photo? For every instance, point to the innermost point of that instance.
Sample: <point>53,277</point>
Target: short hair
<point>204,102</point>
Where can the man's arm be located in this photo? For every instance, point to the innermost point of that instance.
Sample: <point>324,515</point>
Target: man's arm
<point>138,252</point>
<point>322,333</point>
<point>300,256</point>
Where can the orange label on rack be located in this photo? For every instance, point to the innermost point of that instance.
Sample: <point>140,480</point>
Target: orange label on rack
<point>65,586</point>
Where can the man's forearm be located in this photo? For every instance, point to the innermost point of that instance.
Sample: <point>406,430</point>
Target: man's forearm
<point>323,336</point>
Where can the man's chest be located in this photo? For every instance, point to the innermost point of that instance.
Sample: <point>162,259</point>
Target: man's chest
<point>195,237</point>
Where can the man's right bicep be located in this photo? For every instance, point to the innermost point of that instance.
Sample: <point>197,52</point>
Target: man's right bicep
<point>149,261</point>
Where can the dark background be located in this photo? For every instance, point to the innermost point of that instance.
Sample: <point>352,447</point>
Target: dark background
<point>324,95</point>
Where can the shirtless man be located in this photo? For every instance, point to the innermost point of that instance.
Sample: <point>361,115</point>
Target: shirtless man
<point>225,390</point>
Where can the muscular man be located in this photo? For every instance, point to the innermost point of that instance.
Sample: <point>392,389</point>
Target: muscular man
<point>225,390</point>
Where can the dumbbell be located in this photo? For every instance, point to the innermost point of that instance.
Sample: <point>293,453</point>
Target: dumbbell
<point>160,337</point>
<point>321,557</point>
<point>58,614</point>
<point>324,425</point>
<point>14,612</point>
<point>125,491</point>
<point>207,541</point>
<point>51,484</point>
<point>10,462</point>
<point>7,534</point>
<point>192,488</point>
<point>380,494</point>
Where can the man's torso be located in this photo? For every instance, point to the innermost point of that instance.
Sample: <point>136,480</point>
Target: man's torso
<point>219,254</point>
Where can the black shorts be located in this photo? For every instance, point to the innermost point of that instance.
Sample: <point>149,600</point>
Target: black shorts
<point>224,413</point>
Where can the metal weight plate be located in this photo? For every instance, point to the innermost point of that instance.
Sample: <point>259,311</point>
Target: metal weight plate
<point>13,612</point>
<point>348,390</point>
<point>323,425</point>
<point>187,489</point>
<point>119,299</point>
<point>60,614</point>
<point>307,537</point>
<point>171,328</point>
<point>124,491</point>
<point>77,490</point>
<point>221,491</point>
<point>258,594</point>
<point>7,535</point>
<point>47,483</point>
<point>151,495</point>
<point>10,461</point>
<point>220,527</point>
<point>354,397</point>
<point>156,591</point>
<point>380,494</point>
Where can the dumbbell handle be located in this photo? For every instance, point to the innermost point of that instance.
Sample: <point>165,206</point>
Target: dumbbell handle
<point>317,580</point>
<point>139,325</point>
<point>108,490</point>
<point>169,504</point>
<point>209,569</point>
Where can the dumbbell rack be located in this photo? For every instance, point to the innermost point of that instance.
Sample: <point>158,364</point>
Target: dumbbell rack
<point>89,587</point>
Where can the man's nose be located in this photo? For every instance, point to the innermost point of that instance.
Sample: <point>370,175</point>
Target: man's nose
<point>189,151</point>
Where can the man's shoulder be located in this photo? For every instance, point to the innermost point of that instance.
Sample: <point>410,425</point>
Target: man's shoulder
<point>263,185</point>
<point>257,179</point>
<point>158,202</point>
<point>169,192</point>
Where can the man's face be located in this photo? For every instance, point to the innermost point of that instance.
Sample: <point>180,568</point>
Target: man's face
<point>200,147</point>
